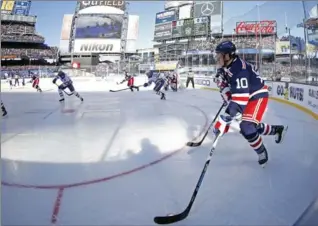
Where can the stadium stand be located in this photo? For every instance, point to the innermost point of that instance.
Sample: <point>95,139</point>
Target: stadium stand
<point>23,50</point>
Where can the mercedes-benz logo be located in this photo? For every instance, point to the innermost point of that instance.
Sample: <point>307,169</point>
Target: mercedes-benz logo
<point>207,9</point>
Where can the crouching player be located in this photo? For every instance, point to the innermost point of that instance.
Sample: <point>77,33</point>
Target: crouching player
<point>247,97</point>
<point>66,83</point>
<point>130,82</point>
<point>35,80</point>
<point>159,81</point>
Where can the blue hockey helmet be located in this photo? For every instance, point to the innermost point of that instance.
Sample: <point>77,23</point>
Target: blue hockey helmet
<point>226,47</point>
<point>61,74</point>
<point>221,51</point>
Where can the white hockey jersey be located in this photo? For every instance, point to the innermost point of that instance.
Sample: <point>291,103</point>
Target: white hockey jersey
<point>155,79</point>
<point>64,78</point>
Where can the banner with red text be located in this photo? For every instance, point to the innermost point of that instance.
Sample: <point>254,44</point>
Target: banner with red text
<point>265,27</point>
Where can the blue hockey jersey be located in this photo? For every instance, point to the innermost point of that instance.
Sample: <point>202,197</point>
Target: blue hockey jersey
<point>245,84</point>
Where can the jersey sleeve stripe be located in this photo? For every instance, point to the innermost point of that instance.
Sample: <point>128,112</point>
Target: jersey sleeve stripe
<point>240,98</point>
<point>241,95</point>
<point>262,90</point>
<point>240,102</point>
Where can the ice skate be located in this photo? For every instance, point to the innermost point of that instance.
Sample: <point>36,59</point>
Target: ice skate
<point>163,96</point>
<point>263,158</point>
<point>62,100</point>
<point>280,133</point>
<point>4,113</point>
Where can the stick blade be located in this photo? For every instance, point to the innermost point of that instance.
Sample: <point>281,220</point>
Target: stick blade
<point>170,219</point>
<point>194,144</point>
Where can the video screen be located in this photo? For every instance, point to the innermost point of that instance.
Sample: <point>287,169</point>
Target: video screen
<point>99,26</point>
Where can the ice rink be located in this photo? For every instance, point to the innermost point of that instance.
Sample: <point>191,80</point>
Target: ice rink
<point>120,159</point>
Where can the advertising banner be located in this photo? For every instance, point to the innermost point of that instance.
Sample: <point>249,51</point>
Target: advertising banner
<point>66,27</point>
<point>256,27</point>
<point>98,26</point>
<point>182,28</point>
<point>133,27</point>
<point>313,98</point>
<point>173,4</point>
<point>203,82</point>
<point>22,8</point>
<point>204,9</point>
<point>7,7</point>
<point>283,47</point>
<point>185,12</point>
<point>162,31</point>
<point>165,16</point>
<point>212,10</point>
<point>304,95</point>
<point>201,26</point>
<point>166,66</point>
<point>97,46</point>
<point>280,90</point>
<point>313,37</point>
<point>115,4</point>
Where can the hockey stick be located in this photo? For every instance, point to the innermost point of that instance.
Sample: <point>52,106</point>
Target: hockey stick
<point>196,144</point>
<point>169,219</point>
<point>122,89</point>
<point>68,94</point>
<point>118,90</point>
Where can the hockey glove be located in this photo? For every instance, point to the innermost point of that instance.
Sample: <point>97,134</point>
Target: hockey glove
<point>54,80</point>
<point>226,95</point>
<point>62,86</point>
<point>146,84</point>
<point>222,125</point>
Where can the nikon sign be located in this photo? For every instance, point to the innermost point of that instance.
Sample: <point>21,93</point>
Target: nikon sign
<point>94,47</point>
<point>97,46</point>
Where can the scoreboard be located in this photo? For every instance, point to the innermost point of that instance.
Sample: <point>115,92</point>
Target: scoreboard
<point>190,27</point>
<point>16,7</point>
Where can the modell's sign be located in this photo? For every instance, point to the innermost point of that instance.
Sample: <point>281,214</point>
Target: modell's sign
<point>256,27</point>
<point>116,4</point>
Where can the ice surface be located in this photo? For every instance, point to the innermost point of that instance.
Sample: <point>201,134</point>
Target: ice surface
<point>119,159</point>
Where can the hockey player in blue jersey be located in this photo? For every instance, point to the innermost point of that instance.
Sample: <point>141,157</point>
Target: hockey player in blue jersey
<point>246,96</point>
<point>159,81</point>
<point>66,83</point>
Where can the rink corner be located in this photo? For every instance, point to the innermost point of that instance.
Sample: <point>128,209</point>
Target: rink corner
<point>299,107</point>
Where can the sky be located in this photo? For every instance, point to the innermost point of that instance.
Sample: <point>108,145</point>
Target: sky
<point>50,15</point>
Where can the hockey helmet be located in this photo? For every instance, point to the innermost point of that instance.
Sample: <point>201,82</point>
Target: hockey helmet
<point>61,74</point>
<point>226,47</point>
<point>149,74</point>
<point>221,51</point>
